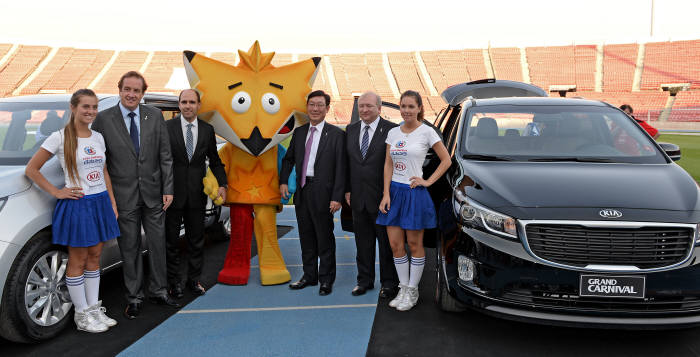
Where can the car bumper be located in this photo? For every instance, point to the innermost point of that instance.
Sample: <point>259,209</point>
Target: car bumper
<point>511,287</point>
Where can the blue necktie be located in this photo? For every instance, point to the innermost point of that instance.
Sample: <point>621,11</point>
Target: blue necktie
<point>365,142</point>
<point>134,132</point>
<point>189,143</point>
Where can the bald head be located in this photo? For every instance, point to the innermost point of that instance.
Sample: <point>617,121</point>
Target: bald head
<point>369,105</point>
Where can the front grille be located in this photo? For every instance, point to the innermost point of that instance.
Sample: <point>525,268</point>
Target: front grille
<point>579,246</point>
<point>568,298</point>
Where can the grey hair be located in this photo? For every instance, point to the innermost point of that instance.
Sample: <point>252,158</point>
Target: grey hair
<point>379,99</point>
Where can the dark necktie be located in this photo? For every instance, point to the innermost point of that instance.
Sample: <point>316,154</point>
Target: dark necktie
<point>134,132</point>
<point>307,153</point>
<point>365,142</point>
<point>189,143</point>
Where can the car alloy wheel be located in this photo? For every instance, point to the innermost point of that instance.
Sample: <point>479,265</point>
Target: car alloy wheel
<point>45,293</point>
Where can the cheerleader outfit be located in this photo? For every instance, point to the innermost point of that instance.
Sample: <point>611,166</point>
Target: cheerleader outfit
<point>89,220</point>
<point>411,208</point>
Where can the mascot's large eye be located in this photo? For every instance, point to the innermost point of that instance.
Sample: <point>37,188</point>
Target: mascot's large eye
<point>270,103</point>
<point>241,102</point>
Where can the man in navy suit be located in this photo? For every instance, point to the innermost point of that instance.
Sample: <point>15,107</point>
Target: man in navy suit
<point>366,150</point>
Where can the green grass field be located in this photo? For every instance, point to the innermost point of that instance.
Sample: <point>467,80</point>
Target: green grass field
<point>690,152</point>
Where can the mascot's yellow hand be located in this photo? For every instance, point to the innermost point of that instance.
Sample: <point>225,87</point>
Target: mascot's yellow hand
<point>211,188</point>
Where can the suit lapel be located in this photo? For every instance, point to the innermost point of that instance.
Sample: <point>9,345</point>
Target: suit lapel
<point>376,137</point>
<point>121,127</point>
<point>301,143</point>
<point>177,133</point>
<point>322,142</point>
<point>354,139</point>
<point>200,138</point>
<point>145,129</point>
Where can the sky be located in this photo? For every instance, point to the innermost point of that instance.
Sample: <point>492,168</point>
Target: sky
<point>342,26</point>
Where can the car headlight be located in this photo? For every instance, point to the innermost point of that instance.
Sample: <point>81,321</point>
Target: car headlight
<point>474,214</point>
<point>697,234</point>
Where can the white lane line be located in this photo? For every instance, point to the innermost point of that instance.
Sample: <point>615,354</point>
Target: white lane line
<point>346,237</point>
<point>281,308</point>
<point>301,265</point>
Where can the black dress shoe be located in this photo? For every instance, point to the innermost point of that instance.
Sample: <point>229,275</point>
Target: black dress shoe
<point>176,291</point>
<point>325,289</point>
<point>388,293</point>
<point>196,287</point>
<point>301,284</point>
<point>360,290</point>
<point>164,300</point>
<point>132,310</point>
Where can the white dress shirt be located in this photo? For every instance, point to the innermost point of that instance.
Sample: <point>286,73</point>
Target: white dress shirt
<point>127,120</point>
<point>184,123</point>
<point>372,129</point>
<point>314,146</point>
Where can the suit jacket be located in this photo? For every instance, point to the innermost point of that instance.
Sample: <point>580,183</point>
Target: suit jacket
<point>149,174</point>
<point>365,179</point>
<point>329,167</point>
<point>188,174</point>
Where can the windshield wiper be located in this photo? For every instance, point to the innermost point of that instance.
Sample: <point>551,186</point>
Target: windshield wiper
<point>571,159</point>
<point>486,157</point>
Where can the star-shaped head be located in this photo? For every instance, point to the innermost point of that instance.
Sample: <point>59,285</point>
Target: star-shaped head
<point>253,105</point>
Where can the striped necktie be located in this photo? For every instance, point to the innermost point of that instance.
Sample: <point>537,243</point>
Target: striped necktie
<point>365,142</point>
<point>189,143</point>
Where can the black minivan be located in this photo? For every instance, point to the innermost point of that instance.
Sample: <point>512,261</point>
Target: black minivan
<point>563,211</point>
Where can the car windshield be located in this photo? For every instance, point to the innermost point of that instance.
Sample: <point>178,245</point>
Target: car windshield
<point>25,126</point>
<point>555,133</point>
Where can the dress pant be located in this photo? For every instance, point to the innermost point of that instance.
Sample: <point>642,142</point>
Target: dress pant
<point>366,231</point>
<point>130,247</point>
<point>194,236</point>
<point>315,223</point>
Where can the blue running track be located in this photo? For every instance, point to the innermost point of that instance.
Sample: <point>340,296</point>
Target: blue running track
<point>255,320</point>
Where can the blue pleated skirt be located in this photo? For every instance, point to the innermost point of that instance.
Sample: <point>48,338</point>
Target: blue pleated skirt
<point>84,222</point>
<point>411,208</point>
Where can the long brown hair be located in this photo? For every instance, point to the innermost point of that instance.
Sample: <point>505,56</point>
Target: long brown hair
<point>70,136</point>
<point>415,95</point>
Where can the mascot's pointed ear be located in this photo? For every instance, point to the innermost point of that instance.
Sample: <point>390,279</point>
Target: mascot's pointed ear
<point>189,55</point>
<point>317,60</point>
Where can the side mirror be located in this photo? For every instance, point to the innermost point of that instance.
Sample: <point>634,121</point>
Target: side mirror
<point>672,150</point>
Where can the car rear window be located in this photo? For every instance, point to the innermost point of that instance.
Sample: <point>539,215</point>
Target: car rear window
<point>549,133</point>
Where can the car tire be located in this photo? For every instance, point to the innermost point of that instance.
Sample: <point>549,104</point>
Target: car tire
<point>36,282</point>
<point>442,295</point>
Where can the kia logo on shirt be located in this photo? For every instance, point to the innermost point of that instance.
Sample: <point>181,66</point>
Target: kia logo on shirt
<point>610,213</point>
<point>401,144</point>
<point>400,166</point>
<point>94,176</point>
<point>90,150</point>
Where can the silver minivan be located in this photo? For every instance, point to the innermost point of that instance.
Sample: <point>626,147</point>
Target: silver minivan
<point>35,304</point>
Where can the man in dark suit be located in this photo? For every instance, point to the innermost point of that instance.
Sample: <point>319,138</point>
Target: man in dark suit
<point>317,150</point>
<point>192,142</point>
<point>366,150</point>
<point>140,165</point>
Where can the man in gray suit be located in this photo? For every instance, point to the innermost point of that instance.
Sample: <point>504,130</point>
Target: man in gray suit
<point>140,165</point>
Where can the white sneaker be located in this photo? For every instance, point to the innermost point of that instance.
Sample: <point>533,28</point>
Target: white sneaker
<point>409,300</point>
<point>395,302</point>
<point>86,321</point>
<point>99,313</point>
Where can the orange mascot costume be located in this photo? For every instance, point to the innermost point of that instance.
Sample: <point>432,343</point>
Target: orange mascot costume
<point>254,106</point>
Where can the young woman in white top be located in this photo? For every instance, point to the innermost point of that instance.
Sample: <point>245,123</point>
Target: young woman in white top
<point>406,207</point>
<point>85,213</point>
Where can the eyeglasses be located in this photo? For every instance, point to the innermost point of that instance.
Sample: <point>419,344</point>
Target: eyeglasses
<point>316,105</point>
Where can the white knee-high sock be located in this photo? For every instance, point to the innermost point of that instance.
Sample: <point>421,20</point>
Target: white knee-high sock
<point>76,290</point>
<point>417,264</point>
<point>92,286</point>
<point>401,265</point>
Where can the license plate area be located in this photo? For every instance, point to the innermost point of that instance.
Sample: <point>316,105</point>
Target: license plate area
<point>612,286</point>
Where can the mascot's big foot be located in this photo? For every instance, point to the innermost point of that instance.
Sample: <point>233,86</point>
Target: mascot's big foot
<point>272,268</point>
<point>237,264</point>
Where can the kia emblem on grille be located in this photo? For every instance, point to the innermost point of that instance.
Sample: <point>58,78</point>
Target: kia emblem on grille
<point>610,213</point>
